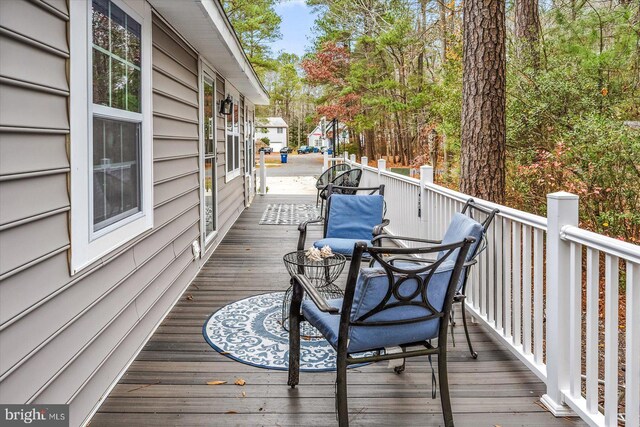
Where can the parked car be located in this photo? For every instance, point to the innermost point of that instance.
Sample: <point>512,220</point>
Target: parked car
<point>316,150</point>
<point>267,150</point>
<point>285,150</point>
<point>304,149</point>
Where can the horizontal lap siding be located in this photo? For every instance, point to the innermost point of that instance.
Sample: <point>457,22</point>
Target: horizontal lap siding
<point>66,339</point>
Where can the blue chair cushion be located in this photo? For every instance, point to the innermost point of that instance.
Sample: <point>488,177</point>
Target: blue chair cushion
<point>371,288</point>
<point>340,246</point>
<point>460,227</point>
<point>354,216</point>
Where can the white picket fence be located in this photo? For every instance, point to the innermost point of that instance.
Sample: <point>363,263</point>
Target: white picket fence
<point>527,290</point>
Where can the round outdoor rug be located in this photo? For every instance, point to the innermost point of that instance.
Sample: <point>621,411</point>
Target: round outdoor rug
<point>250,331</point>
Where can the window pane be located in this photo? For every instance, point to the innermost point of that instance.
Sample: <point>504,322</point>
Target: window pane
<point>116,171</point>
<point>118,32</point>
<point>230,122</point>
<point>116,57</point>
<point>229,153</point>
<point>133,90</point>
<point>209,124</point>
<point>100,23</point>
<point>100,78</point>
<point>118,84</point>
<point>236,157</point>
<point>235,118</point>
<point>134,31</point>
<point>209,198</point>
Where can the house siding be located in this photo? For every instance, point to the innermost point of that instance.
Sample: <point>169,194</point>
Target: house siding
<point>66,339</point>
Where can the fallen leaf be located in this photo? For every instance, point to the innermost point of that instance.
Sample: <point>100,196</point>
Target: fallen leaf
<point>306,337</point>
<point>216,382</point>
<point>231,412</point>
<point>244,394</point>
<point>240,382</point>
<point>190,297</point>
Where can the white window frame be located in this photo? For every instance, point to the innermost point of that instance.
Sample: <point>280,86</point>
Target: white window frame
<point>87,245</point>
<point>229,156</point>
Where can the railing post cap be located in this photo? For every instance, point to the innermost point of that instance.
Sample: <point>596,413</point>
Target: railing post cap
<point>426,167</point>
<point>562,195</point>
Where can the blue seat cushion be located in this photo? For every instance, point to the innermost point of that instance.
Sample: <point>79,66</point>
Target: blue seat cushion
<point>340,246</point>
<point>371,288</point>
<point>354,216</point>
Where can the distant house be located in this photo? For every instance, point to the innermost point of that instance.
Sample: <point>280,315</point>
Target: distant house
<point>274,128</point>
<point>318,138</point>
<point>126,154</point>
<point>315,139</point>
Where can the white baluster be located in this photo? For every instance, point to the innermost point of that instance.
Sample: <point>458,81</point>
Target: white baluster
<point>632,403</point>
<point>611,341</point>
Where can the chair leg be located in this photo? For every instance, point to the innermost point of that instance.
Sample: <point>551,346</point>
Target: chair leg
<point>294,350</point>
<point>466,331</point>
<point>294,335</point>
<point>445,399</point>
<point>341,392</point>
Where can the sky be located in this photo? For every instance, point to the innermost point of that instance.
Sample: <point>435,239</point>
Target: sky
<point>296,26</point>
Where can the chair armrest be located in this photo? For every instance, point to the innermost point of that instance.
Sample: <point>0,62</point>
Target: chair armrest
<point>313,293</point>
<point>302,228</point>
<point>378,229</point>
<point>474,261</point>
<point>410,239</point>
<point>417,261</point>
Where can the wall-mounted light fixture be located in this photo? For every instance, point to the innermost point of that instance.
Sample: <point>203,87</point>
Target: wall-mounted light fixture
<point>226,106</point>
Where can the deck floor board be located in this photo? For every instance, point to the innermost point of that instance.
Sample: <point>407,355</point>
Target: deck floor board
<point>166,384</point>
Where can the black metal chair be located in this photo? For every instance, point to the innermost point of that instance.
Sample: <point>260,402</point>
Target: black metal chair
<point>344,183</point>
<point>350,218</point>
<point>383,307</point>
<point>328,176</point>
<point>465,217</point>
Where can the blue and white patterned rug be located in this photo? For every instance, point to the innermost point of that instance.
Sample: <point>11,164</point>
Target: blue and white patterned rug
<point>250,331</point>
<point>288,213</point>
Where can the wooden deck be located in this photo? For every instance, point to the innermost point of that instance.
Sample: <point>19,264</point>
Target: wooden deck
<point>166,385</point>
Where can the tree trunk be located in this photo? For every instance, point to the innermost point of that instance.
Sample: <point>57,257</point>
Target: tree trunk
<point>483,100</point>
<point>369,135</point>
<point>443,30</point>
<point>527,29</point>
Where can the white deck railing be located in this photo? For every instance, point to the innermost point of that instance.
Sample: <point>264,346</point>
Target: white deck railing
<point>527,289</point>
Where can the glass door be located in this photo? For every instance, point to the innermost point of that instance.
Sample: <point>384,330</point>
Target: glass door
<point>209,154</point>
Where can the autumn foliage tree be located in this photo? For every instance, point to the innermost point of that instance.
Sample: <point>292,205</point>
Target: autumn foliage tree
<point>329,68</point>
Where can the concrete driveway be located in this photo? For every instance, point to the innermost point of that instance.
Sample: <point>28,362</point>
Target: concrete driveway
<point>297,176</point>
<point>297,165</point>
